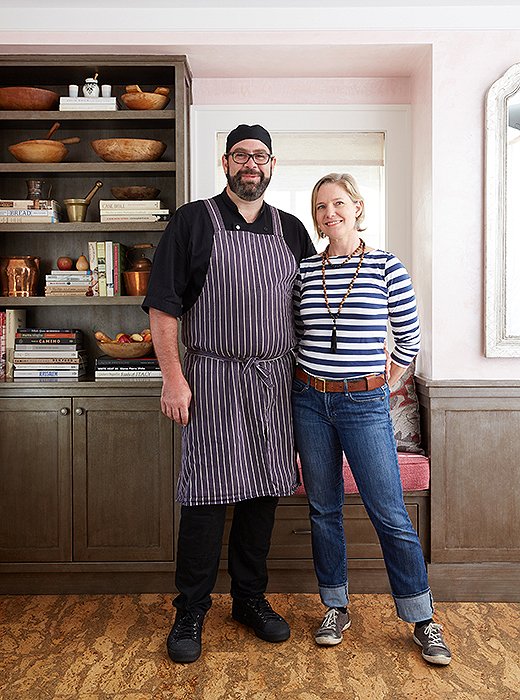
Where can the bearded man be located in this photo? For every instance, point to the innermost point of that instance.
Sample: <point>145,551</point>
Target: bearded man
<point>226,266</point>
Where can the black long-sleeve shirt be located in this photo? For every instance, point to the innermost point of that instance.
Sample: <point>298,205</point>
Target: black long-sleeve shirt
<point>182,256</point>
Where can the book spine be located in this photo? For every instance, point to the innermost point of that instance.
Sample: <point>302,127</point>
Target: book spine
<point>43,204</point>
<point>3,361</point>
<point>117,269</point>
<point>109,262</point>
<point>137,218</point>
<point>58,361</point>
<point>67,340</point>
<point>14,319</point>
<point>124,369</point>
<point>102,276</point>
<point>117,363</point>
<point>38,353</point>
<point>49,373</point>
<point>50,219</point>
<point>48,333</point>
<point>148,373</point>
<point>29,213</point>
<point>92,259</point>
<point>108,205</point>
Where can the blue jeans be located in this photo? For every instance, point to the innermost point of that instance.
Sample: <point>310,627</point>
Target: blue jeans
<point>358,424</point>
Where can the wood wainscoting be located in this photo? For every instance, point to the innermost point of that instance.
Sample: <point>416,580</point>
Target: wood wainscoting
<point>473,431</point>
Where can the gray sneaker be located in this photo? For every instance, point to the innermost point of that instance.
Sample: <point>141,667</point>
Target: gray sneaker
<point>334,623</point>
<point>434,648</point>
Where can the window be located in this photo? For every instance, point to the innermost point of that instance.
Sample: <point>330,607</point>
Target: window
<point>304,157</point>
<point>371,142</point>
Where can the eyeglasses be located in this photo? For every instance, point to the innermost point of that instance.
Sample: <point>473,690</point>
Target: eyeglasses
<point>241,157</point>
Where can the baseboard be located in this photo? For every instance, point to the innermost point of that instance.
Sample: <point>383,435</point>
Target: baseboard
<point>484,582</point>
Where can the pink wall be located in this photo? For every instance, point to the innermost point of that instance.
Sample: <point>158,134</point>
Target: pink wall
<point>447,96</point>
<point>220,91</point>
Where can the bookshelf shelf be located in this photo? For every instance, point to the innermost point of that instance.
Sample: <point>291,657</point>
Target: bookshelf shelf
<point>97,167</point>
<point>19,117</point>
<point>83,227</point>
<point>82,167</point>
<point>28,302</point>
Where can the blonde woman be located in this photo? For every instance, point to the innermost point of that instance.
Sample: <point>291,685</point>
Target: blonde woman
<point>344,299</point>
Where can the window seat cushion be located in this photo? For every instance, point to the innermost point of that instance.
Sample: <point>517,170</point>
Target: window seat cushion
<point>414,468</point>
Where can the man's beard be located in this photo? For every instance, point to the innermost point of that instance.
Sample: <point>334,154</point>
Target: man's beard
<point>248,191</point>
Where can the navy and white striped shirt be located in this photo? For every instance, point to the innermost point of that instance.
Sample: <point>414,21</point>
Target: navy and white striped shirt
<point>382,292</point>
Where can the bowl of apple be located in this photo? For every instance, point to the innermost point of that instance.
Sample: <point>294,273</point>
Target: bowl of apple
<point>125,345</point>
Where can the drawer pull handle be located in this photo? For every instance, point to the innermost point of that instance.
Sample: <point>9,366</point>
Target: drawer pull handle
<point>64,411</point>
<point>79,411</point>
<point>301,531</point>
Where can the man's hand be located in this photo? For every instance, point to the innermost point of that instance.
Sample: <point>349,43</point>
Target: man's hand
<point>176,400</point>
<point>176,393</point>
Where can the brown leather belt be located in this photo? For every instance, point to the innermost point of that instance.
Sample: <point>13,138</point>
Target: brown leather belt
<point>372,381</point>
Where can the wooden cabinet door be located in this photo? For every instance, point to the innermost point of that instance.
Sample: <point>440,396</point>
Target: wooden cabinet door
<point>35,480</point>
<point>123,480</point>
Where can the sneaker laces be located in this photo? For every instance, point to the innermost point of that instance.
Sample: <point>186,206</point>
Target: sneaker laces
<point>433,632</point>
<point>329,621</point>
<point>188,627</point>
<point>264,610</point>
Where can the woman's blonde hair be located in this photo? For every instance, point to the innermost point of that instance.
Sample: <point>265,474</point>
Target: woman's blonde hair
<point>350,186</point>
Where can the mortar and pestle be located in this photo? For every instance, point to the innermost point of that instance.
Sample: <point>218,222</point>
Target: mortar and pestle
<point>77,208</point>
<point>42,150</point>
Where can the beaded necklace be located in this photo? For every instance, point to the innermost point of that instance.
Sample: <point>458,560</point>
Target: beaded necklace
<point>326,261</point>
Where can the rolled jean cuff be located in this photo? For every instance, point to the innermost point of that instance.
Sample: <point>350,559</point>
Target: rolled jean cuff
<point>415,608</point>
<point>334,596</point>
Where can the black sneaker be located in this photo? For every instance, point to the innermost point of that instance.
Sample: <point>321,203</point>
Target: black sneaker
<point>434,648</point>
<point>334,624</point>
<point>184,642</point>
<point>258,614</point>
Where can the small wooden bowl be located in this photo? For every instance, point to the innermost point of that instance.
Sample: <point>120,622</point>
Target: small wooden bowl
<point>145,100</point>
<point>38,151</point>
<point>128,150</point>
<point>135,192</point>
<point>125,351</point>
<point>27,98</point>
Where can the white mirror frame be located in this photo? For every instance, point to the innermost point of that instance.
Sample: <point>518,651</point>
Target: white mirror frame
<point>499,343</point>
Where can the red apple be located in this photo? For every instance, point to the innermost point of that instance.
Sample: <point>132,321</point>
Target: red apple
<point>64,263</point>
<point>124,338</point>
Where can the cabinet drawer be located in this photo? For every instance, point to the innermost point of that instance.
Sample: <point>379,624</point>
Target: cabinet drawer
<point>292,538</point>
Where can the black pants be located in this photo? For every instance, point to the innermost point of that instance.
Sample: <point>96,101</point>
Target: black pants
<point>200,542</point>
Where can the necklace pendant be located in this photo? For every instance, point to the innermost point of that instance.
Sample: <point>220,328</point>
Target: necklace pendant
<point>333,340</point>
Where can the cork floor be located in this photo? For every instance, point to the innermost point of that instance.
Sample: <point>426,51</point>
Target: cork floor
<point>99,647</point>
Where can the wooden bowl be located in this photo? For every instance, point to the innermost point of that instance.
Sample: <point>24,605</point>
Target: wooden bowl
<point>27,98</point>
<point>38,151</point>
<point>135,192</point>
<point>129,150</point>
<point>145,100</point>
<point>125,350</point>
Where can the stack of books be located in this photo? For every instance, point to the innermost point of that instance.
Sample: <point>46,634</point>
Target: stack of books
<point>68,283</point>
<point>49,354</point>
<point>139,368</point>
<point>80,104</point>
<point>10,321</point>
<point>23,211</point>
<point>107,262</point>
<point>137,210</point>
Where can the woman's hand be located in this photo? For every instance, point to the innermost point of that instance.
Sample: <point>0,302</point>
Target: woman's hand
<point>394,374</point>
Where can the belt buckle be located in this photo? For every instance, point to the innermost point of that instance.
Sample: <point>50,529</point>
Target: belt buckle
<point>323,382</point>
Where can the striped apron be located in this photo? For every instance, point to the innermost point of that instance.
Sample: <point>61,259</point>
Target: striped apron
<point>239,338</point>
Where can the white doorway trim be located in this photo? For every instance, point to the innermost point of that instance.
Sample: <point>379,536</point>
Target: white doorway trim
<point>394,120</point>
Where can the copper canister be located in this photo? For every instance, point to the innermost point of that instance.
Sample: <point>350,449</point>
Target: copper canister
<point>136,282</point>
<point>19,276</point>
